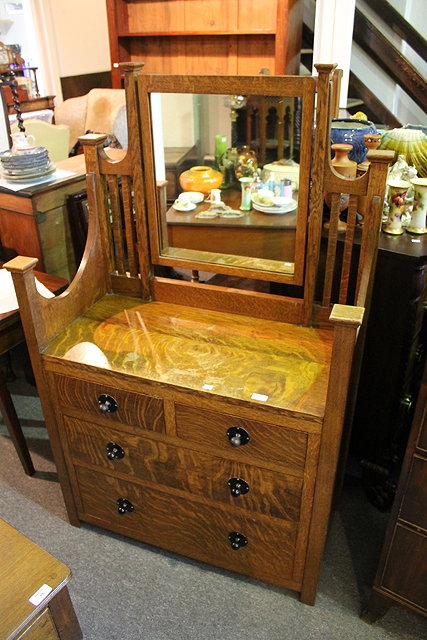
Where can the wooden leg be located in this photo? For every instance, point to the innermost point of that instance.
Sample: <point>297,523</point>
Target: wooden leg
<point>64,616</point>
<point>15,430</point>
<point>377,606</point>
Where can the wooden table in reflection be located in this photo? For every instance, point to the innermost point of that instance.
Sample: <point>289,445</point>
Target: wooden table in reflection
<point>256,234</point>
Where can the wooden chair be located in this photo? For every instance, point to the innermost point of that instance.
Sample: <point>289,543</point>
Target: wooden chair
<point>206,419</point>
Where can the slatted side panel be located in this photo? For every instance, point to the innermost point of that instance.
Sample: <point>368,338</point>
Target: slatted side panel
<point>337,277</point>
<point>120,204</point>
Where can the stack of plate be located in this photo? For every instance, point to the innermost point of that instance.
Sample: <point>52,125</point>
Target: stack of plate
<point>285,207</point>
<point>33,163</point>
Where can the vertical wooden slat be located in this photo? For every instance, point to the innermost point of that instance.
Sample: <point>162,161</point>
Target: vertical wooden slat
<point>332,249</point>
<point>348,250</point>
<point>116,221</point>
<point>320,158</point>
<point>129,226</point>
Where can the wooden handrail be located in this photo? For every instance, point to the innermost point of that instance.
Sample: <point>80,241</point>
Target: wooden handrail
<point>400,26</point>
<point>390,59</point>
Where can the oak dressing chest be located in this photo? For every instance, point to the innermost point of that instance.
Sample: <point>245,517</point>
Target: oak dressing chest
<point>205,419</point>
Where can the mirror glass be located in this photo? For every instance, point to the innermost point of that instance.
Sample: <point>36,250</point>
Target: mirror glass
<point>233,169</point>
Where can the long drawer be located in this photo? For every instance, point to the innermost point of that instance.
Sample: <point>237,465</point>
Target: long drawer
<point>133,409</point>
<point>191,528</point>
<point>197,473</point>
<point>266,442</point>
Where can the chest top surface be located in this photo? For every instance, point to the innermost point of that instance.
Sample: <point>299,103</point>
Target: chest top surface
<point>248,359</point>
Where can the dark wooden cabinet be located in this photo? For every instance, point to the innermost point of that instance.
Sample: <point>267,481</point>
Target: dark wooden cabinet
<point>402,572</point>
<point>395,349</point>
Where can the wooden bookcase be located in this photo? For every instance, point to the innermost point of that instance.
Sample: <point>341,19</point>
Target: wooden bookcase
<point>219,37</point>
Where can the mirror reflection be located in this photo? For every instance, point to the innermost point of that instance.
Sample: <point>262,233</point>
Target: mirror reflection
<point>232,165</point>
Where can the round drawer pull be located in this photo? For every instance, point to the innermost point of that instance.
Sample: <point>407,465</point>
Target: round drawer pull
<point>238,487</point>
<point>124,506</point>
<point>237,436</point>
<point>114,451</point>
<point>107,404</point>
<point>237,540</point>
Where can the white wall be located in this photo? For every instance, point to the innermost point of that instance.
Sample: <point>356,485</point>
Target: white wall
<point>81,36</point>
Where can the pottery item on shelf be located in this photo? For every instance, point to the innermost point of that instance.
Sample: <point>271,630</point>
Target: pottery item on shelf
<point>280,170</point>
<point>352,131</point>
<point>246,163</point>
<point>200,178</point>
<point>214,196</point>
<point>343,165</point>
<point>246,203</point>
<point>226,166</point>
<point>220,148</point>
<point>417,224</point>
<point>397,190</point>
<point>372,141</point>
<point>411,143</point>
<point>22,142</point>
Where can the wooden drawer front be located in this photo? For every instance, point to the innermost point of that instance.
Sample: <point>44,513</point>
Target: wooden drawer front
<point>199,474</point>
<point>267,442</point>
<point>413,508</point>
<point>190,528</point>
<point>405,574</point>
<point>42,628</point>
<point>134,409</point>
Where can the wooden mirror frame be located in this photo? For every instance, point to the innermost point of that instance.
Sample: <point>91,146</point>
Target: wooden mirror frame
<point>289,86</point>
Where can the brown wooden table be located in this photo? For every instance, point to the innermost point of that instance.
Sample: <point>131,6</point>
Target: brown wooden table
<point>11,334</point>
<point>27,573</point>
<point>256,234</point>
<point>34,221</point>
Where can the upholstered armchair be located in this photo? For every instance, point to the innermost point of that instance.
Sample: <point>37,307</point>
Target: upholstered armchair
<point>95,111</point>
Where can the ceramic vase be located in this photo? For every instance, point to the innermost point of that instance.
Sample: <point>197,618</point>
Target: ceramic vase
<point>246,163</point>
<point>397,191</point>
<point>346,167</point>
<point>352,131</point>
<point>246,184</point>
<point>417,224</point>
<point>200,178</point>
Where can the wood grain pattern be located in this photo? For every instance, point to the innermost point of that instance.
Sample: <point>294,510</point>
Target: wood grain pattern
<point>267,443</point>
<point>206,476</point>
<point>23,570</point>
<point>135,410</point>
<point>42,628</point>
<point>190,348</point>
<point>191,528</point>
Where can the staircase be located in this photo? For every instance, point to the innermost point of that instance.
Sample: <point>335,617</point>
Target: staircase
<point>380,62</point>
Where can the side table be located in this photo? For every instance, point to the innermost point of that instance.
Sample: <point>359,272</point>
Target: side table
<point>11,334</point>
<point>34,599</point>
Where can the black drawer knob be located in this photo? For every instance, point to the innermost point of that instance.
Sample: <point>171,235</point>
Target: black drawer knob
<point>238,487</point>
<point>237,540</point>
<point>124,506</point>
<point>114,451</point>
<point>107,404</point>
<point>237,436</point>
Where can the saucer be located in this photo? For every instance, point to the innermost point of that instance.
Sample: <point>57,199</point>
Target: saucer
<point>194,196</point>
<point>184,208</point>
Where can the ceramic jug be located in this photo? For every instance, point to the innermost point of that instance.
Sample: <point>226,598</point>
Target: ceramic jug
<point>21,142</point>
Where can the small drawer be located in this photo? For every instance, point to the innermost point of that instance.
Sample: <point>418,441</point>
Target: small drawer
<point>200,474</point>
<point>266,442</point>
<point>191,528</point>
<point>405,572</point>
<point>132,409</point>
<point>413,508</point>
